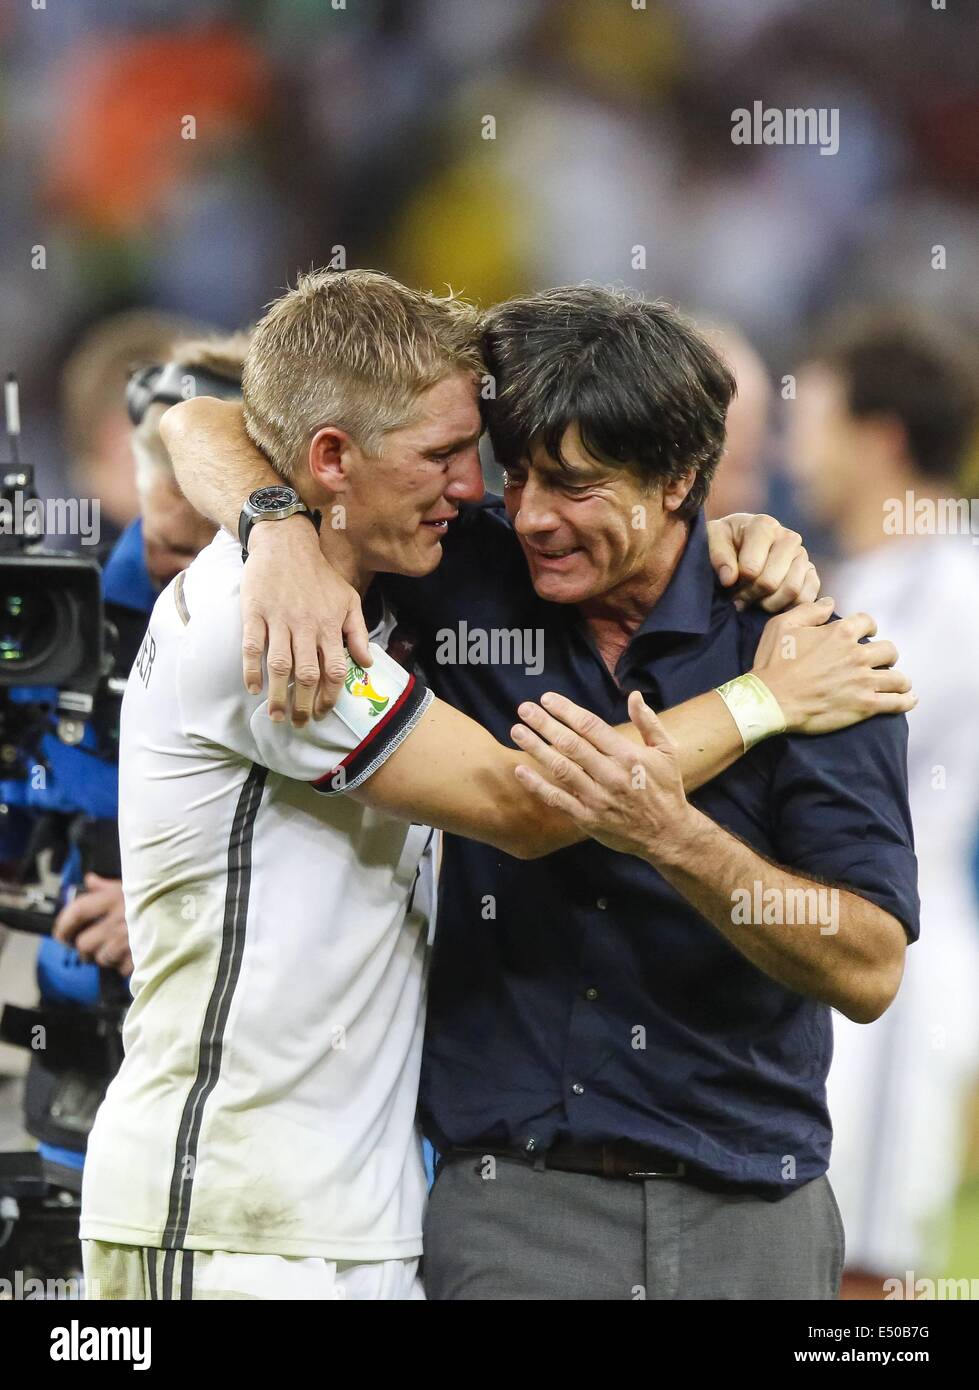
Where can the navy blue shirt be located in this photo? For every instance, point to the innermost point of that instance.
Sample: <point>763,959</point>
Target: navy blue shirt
<point>579,996</point>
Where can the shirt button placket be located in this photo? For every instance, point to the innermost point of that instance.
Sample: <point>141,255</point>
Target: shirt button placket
<point>591,994</point>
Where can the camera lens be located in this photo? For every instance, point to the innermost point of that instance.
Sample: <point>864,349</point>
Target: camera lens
<point>29,628</point>
<point>50,621</point>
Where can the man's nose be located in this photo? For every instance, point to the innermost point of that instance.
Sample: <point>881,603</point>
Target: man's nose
<point>466,479</point>
<point>535,513</point>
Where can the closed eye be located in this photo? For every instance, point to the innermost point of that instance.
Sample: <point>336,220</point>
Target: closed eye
<point>458,446</point>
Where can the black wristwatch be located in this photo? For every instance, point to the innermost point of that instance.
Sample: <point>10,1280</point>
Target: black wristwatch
<point>271,504</point>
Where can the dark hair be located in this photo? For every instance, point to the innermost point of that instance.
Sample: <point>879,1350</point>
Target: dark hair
<point>642,385</point>
<point>922,371</point>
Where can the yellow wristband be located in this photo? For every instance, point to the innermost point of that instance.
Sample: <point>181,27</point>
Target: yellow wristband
<point>753,708</point>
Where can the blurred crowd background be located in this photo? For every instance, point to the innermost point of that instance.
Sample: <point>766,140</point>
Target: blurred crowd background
<point>173,163</point>
<point>361,127</point>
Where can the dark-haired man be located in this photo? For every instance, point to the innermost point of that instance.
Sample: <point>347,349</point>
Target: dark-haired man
<point>892,398</point>
<point>626,1082</point>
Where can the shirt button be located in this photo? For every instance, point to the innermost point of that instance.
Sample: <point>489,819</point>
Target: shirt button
<point>578,1089</point>
<point>591,993</point>
<point>602,904</point>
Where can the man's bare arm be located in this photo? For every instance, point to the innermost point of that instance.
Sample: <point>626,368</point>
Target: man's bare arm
<point>452,773</point>
<point>215,462</point>
<point>850,955</point>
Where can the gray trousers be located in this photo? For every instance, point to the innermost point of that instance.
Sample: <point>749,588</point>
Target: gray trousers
<point>505,1230</point>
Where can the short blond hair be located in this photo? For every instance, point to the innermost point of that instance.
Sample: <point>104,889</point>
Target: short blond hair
<point>221,356</point>
<point>353,349</point>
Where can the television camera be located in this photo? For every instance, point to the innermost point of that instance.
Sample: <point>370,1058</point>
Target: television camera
<point>62,651</point>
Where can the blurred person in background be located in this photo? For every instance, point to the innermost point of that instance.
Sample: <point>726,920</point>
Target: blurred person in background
<point>97,428</point>
<point>169,530</point>
<point>740,483</point>
<point>885,417</point>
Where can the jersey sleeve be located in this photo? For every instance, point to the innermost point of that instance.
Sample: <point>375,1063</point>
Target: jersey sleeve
<point>377,709</point>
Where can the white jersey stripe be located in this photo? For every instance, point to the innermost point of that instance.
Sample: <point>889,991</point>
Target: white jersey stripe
<point>219,1005</point>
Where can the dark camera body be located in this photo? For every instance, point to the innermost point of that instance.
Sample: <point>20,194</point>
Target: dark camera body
<point>51,623</point>
<point>58,679</point>
<point>52,628</point>
<point>59,645</point>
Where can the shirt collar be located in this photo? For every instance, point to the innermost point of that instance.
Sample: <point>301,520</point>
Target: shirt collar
<point>685,606</point>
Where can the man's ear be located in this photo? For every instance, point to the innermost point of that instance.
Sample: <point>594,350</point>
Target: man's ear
<point>331,457</point>
<point>675,492</point>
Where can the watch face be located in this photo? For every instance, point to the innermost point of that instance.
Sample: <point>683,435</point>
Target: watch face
<point>271,499</point>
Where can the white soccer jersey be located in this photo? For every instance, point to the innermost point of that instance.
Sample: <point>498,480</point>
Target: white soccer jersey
<point>898,1090</point>
<point>266,1103</point>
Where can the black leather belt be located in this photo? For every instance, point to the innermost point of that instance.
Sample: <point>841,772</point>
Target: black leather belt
<point>623,1160</point>
<point>635,1162</point>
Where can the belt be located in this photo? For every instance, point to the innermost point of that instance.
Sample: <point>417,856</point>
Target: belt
<point>635,1162</point>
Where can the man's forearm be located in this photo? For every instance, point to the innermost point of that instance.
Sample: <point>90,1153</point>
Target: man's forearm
<point>215,462</point>
<point>453,774</point>
<point>708,741</point>
<point>845,950</point>
<point>708,738</point>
